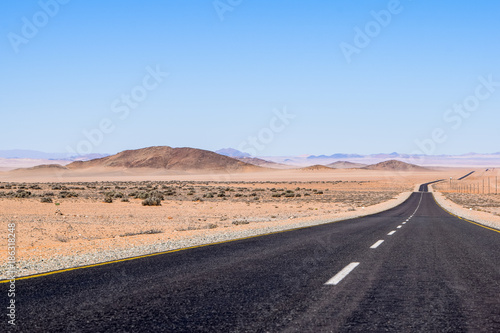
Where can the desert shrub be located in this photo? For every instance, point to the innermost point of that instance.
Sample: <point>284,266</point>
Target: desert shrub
<point>289,195</point>
<point>67,194</point>
<point>152,201</point>
<point>46,200</point>
<point>238,195</point>
<point>240,222</point>
<point>62,238</point>
<point>147,195</point>
<point>142,195</point>
<point>276,195</point>
<point>22,194</point>
<point>108,199</point>
<point>208,195</point>
<point>146,232</point>
<point>125,200</point>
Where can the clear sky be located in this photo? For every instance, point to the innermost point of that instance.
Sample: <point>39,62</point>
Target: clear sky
<point>279,77</point>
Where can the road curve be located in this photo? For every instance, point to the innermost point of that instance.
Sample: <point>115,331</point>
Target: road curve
<point>413,268</point>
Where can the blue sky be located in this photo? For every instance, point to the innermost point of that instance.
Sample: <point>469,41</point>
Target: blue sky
<point>234,65</point>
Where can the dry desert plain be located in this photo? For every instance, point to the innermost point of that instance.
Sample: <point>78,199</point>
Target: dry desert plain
<point>75,226</point>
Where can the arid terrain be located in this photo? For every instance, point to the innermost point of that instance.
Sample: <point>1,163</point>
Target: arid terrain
<point>121,206</point>
<point>67,215</point>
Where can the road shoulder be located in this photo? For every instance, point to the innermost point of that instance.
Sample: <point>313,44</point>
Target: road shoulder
<point>483,218</point>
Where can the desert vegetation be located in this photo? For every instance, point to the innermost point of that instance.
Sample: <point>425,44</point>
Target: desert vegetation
<point>61,219</point>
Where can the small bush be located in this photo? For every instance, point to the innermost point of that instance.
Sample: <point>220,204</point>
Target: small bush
<point>147,232</point>
<point>240,222</point>
<point>152,201</point>
<point>108,199</point>
<point>46,200</point>
<point>22,194</point>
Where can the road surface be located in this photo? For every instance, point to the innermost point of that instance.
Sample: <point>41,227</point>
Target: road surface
<point>413,268</point>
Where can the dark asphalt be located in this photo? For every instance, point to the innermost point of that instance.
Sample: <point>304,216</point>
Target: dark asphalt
<point>436,273</point>
<point>467,175</point>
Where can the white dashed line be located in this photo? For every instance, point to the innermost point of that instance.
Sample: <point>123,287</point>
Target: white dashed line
<point>374,246</point>
<point>403,223</point>
<point>342,274</point>
<point>391,233</point>
<point>399,226</point>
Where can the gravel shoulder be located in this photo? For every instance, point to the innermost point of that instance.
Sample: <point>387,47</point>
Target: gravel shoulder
<point>470,213</point>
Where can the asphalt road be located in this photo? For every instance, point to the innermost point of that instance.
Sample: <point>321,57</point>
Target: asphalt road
<point>433,273</point>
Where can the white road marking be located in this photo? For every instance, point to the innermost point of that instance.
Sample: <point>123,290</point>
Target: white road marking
<point>377,243</point>
<point>391,233</point>
<point>421,194</point>
<point>399,226</point>
<point>342,274</point>
<point>403,223</point>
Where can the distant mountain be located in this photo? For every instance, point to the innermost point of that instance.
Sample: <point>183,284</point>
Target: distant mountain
<point>395,165</point>
<point>165,157</point>
<point>312,157</point>
<point>39,155</point>
<point>391,155</point>
<point>316,167</point>
<point>345,165</point>
<point>44,167</point>
<point>263,163</point>
<point>231,152</point>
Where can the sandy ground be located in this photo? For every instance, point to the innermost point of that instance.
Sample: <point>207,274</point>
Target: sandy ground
<point>78,228</point>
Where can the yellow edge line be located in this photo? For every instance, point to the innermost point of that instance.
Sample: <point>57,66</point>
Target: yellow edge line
<point>462,218</point>
<point>157,253</point>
